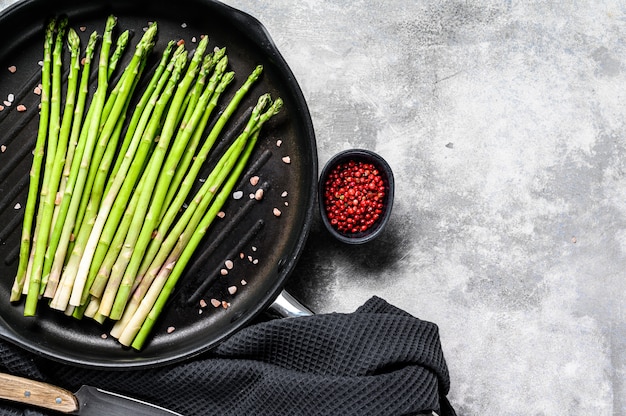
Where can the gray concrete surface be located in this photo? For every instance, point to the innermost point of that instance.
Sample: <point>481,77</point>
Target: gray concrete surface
<point>504,123</point>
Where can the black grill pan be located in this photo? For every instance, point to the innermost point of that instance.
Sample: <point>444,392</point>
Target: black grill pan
<point>270,245</point>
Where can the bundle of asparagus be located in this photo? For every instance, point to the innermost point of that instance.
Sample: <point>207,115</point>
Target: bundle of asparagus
<point>105,234</point>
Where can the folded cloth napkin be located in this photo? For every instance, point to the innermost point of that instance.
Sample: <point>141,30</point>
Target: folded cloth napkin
<point>378,361</point>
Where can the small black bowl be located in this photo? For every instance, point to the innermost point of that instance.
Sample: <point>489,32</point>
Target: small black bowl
<point>385,173</point>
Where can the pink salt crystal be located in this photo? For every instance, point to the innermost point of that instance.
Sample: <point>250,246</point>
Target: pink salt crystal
<point>216,303</point>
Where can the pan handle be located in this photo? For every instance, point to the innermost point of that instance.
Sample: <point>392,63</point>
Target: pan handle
<point>286,306</point>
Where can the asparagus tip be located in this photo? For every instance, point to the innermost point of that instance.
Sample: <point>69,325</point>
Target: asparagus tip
<point>222,64</point>
<point>51,25</point>
<point>110,23</point>
<point>124,37</point>
<point>72,39</point>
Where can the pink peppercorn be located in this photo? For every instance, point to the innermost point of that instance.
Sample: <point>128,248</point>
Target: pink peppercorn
<point>353,196</point>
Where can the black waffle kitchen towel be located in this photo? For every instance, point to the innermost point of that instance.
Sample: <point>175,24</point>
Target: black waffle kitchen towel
<point>377,361</point>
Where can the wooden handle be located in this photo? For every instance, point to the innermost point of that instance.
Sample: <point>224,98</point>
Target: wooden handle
<point>36,393</point>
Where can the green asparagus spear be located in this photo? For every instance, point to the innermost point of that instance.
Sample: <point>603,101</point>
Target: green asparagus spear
<point>48,189</point>
<point>33,189</point>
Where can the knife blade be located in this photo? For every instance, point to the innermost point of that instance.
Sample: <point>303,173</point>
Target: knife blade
<point>87,401</point>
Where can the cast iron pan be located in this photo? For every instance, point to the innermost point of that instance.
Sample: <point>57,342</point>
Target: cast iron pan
<point>270,245</point>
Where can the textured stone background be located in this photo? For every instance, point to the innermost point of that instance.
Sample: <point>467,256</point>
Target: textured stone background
<point>504,123</point>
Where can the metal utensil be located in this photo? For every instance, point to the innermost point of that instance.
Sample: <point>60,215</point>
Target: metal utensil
<point>86,401</point>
